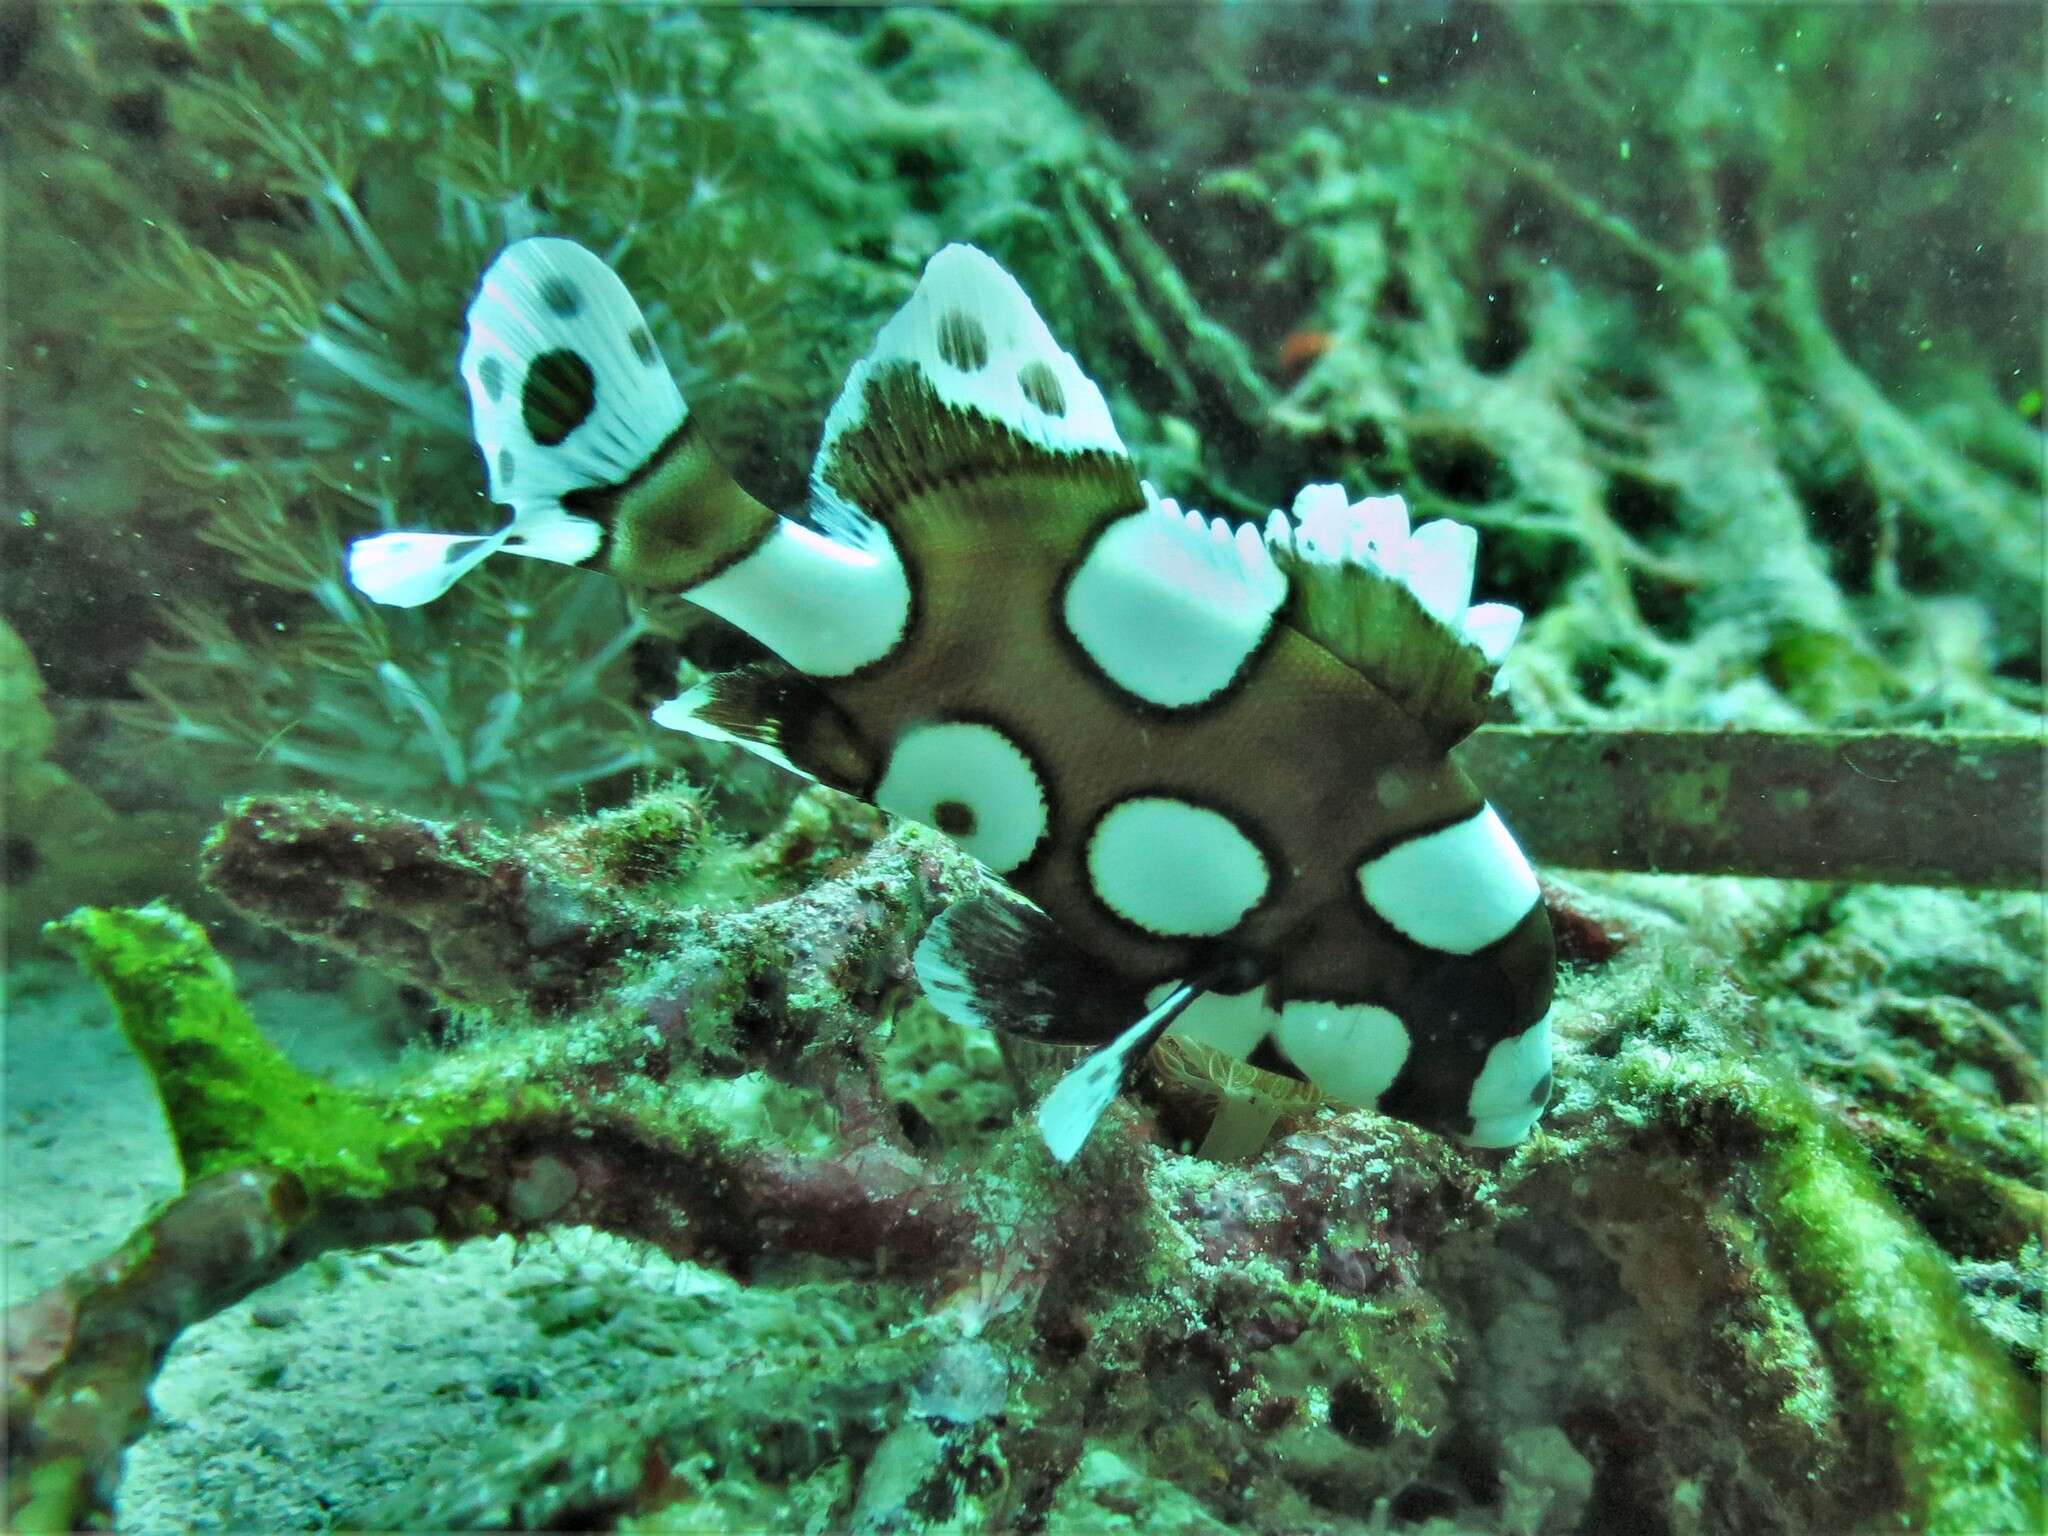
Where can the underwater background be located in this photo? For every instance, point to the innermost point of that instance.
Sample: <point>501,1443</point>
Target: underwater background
<point>436,1098</point>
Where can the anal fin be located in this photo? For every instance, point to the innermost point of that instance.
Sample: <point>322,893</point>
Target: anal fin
<point>777,713</point>
<point>996,961</point>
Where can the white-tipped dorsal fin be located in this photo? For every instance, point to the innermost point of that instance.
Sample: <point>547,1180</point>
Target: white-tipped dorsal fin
<point>966,406</point>
<point>972,334</point>
<point>1393,603</point>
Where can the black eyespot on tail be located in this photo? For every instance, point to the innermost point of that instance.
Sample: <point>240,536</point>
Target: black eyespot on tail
<point>558,397</point>
<point>491,374</point>
<point>562,297</point>
<point>954,818</point>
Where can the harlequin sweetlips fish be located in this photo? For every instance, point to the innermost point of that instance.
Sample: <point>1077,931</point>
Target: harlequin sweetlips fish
<point>1210,761</point>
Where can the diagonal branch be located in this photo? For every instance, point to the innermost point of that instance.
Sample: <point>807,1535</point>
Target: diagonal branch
<point>1879,806</point>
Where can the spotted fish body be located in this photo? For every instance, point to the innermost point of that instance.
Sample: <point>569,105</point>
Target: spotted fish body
<point>1211,761</point>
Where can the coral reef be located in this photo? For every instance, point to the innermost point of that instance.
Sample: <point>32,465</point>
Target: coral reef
<point>1709,1297</point>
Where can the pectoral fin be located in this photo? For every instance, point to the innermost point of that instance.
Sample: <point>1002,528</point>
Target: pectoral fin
<point>776,713</point>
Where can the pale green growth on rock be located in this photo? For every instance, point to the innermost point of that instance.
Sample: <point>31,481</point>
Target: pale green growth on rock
<point>954,1078</point>
<point>231,1098</point>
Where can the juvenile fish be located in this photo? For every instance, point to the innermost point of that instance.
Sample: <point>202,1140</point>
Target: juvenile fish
<point>1209,760</point>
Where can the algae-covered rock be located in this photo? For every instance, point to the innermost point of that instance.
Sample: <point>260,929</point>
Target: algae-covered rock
<point>1710,1293</point>
<point>1106,1493</point>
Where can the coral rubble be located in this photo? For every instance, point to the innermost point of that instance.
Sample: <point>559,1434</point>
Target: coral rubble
<point>1695,1302</point>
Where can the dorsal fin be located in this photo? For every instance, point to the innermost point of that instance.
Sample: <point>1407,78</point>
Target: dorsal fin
<point>1394,605</point>
<point>966,409</point>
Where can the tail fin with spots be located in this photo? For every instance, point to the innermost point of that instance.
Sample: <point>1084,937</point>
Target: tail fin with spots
<point>570,402</point>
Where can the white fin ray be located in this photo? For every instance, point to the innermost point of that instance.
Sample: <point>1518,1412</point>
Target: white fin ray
<point>1211,559</point>
<point>541,298</point>
<point>545,297</point>
<point>405,570</point>
<point>1441,555</point>
<point>1394,603</point>
<point>1492,627</point>
<point>1325,525</point>
<point>685,713</point>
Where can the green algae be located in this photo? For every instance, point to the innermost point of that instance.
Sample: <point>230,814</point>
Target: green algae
<point>1108,1493</point>
<point>1960,1415</point>
<point>1883,1300</point>
<point>1890,1311</point>
<point>231,1098</point>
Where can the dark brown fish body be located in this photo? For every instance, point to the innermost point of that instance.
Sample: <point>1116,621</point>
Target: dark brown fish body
<point>1214,759</point>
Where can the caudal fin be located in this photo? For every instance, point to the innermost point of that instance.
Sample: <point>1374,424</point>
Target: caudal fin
<point>568,397</point>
